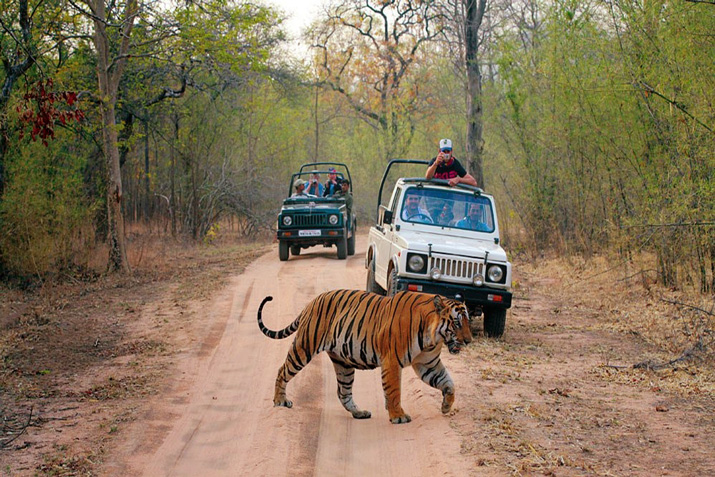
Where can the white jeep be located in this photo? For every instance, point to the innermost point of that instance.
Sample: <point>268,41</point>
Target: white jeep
<point>434,238</point>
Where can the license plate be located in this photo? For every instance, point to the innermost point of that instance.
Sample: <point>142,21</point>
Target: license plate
<point>309,233</point>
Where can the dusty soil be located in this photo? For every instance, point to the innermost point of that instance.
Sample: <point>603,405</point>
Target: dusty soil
<point>166,373</point>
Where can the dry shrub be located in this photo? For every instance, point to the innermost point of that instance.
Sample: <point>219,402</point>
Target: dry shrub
<point>627,297</point>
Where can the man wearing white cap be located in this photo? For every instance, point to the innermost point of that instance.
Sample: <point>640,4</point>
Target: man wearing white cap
<point>446,166</point>
<point>299,186</point>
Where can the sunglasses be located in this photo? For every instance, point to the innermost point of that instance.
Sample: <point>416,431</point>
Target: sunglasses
<point>446,149</point>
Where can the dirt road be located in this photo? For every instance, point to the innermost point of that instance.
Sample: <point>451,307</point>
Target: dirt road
<point>540,401</point>
<point>225,422</point>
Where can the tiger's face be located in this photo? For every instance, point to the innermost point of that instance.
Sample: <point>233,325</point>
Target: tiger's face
<point>455,316</point>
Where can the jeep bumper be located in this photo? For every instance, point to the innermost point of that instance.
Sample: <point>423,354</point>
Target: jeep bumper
<point>310,236</point>
<point>473,296</point>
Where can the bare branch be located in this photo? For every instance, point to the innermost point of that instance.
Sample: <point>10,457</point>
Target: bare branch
<point>672,302</point>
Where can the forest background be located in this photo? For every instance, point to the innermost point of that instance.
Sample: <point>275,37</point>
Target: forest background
<point>592,122</point>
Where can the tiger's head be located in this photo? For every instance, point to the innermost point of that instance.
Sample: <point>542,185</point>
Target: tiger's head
<point>454,327</point>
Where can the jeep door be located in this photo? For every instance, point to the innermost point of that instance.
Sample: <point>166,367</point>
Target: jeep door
<point>384,245</point>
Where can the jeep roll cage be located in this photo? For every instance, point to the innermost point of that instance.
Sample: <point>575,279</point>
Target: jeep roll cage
<point>415,180</point>
<point>314,169</point>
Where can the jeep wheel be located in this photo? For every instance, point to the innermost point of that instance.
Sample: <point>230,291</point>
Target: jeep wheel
<point>295,249</point>
<point>494,322</point>
<point>351,244</point>
<point>342,248</point>
<point>372,285</point>
<point>283,250</point>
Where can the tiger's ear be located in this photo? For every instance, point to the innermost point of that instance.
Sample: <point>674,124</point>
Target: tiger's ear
<point>439,304</point>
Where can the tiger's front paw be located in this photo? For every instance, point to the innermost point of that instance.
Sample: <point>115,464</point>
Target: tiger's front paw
<point>405,418</point>
<point>447,399</point>
<point>447,403</point>
<point>362,414</point>
<point>283,403</point>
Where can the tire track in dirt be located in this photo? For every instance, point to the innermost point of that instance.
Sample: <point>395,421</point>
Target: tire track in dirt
<point>228,425</point>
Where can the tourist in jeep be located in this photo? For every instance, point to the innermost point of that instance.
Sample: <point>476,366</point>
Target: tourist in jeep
<point>331,186</point>
<point>299,186</point>
<point>473,220</point>
<point>446,166</point>
<point>412,211</point>
<point>344,193</point>
<point>314,186</point>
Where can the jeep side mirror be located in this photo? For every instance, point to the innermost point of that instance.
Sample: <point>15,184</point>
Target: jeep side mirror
<point>385,216</point>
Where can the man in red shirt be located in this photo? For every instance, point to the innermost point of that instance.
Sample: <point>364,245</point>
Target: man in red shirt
<point>446,166</point>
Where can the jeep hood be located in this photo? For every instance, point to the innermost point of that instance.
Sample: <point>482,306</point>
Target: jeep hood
<point>472,246</point>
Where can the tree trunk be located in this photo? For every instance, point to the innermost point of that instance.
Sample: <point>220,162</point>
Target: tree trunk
<point>108,75</point>
<point>475,143</point>
<point>115,219</point>
<point>172,197</point>
<point>317,125</point>
<point>147,182</point>
<point>13,72</point>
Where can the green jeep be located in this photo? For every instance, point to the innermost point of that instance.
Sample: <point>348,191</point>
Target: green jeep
<point>310,220</point>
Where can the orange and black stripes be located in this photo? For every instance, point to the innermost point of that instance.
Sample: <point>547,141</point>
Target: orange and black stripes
<point>361,330</point>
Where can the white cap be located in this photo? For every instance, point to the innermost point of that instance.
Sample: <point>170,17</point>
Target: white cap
<point>445,143</point>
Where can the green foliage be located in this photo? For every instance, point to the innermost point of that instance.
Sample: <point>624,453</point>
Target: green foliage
<point>598,125</point>
<point>603,132</point>
<point>44,215</point>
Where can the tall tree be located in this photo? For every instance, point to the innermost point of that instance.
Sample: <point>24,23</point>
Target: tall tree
<point>366,50</point>
<point>111,39</point>
<point>475,143</point>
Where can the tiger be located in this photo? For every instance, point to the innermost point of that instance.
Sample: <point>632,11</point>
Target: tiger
<point>361,330</point>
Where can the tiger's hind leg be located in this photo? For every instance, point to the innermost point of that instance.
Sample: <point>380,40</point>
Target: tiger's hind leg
<point>346,377</point>
<point>431,370</point>
<point>295,361</point>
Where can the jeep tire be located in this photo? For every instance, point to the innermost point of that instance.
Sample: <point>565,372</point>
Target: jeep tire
<point>392,283</point>
<point>342,245</point>
<point>295,249</point>
<point>372,286</point>
<point>283,250</point>
<point>351,244</point>
<point>494,322</point>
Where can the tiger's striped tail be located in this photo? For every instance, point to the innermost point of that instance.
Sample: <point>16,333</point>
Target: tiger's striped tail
<point>276,335</point>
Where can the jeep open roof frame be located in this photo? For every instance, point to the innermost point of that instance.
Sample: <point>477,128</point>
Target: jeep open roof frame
<point>442,182</point>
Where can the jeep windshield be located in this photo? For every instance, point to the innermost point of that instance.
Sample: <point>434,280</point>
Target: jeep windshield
<point>447,208</point>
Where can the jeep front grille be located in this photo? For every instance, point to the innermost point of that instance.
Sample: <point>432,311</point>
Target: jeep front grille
<point>317,220</point>
<point>456,268</point>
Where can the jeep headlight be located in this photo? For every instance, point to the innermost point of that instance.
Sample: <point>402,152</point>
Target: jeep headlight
<point>333,219</point>
<point>415,263</point>
<point>435,273</point>
<point>478,280</point>
<point>495,273</point>
<point>287,220</point>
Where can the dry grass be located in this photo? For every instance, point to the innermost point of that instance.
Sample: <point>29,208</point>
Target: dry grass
<point>69,350</point>
<point>526,414</point>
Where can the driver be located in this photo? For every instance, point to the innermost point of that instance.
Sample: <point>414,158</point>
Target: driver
<point>413,212</point>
